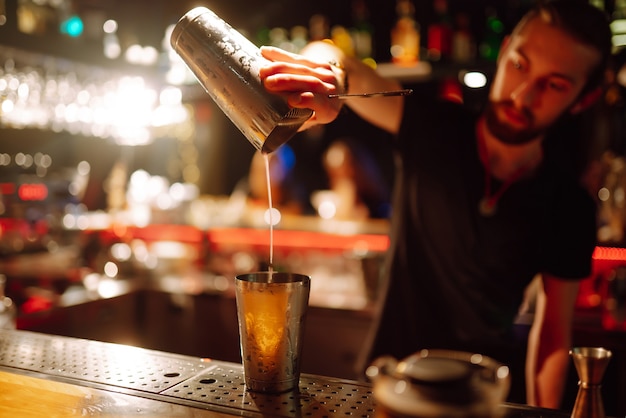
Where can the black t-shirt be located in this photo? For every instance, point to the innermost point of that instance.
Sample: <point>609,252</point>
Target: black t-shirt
<point>457,277</point>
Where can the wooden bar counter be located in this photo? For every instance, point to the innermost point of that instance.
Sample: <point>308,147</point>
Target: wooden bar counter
<point>42,375</point>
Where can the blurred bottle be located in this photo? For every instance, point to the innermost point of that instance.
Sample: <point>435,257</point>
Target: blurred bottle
<point>494,31</point>
<point>614,300</point>
<point>440,33</point>
<point>451,89</point>
<point>112,48</point>
<point>319,28</point>
<point>463,44</point>
<point>342,39</point>
<point>598,3</point>
<point>279,37</point>
<point>619,10</point>
<point>618,23</point>
<point>362,30</point>
<point>299,37</point>
<point>8,312</point>
<point>262,36</point>
<point>405,35</point>
<point>3,13</point>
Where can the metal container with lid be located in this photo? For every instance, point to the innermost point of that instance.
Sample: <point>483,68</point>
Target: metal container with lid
<point>440,383</point>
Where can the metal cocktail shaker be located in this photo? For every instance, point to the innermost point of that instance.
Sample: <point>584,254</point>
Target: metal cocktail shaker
<point>227,65</point>
<point>271,308</point>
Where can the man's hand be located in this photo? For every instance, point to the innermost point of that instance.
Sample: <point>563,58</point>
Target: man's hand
<point>305,82</point>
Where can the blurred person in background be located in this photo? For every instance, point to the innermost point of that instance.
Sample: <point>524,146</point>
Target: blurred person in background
<point>483,202</point>
<point>288,195</point>
<point>356,180</point>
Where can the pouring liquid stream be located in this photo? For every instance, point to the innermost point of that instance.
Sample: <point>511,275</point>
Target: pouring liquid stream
<point>266,158</point>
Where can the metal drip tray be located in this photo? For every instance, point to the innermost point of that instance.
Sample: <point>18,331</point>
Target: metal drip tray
<point>184,380</point>
<point>95,362</point>
<point>224,385</point>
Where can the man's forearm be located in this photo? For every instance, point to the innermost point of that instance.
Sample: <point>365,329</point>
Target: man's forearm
<point>549,381</point>
<point>549,342</point>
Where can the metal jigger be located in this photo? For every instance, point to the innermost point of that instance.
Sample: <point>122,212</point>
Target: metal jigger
<point>590,364</point>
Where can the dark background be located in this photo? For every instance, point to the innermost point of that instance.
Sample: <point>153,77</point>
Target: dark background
<point>225,162</point>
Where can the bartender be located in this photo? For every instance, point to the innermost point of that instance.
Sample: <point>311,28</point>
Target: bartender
<point>484,202</point>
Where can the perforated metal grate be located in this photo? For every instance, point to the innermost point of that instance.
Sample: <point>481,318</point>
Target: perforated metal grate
<point>224,385</point>
<point>97,362</point>
<point>177,379</point>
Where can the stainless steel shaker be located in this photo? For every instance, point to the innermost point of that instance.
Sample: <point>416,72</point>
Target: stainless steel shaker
<point>227,65</point>
<point>271,308</point>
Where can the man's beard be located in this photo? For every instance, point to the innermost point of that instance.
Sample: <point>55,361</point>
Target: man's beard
<point>504,132</point>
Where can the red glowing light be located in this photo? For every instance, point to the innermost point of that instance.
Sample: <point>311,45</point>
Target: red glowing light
<point>7,188</point>
<point>34,191</point>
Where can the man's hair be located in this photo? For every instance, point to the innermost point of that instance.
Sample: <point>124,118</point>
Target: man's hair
<point>583,22</point>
